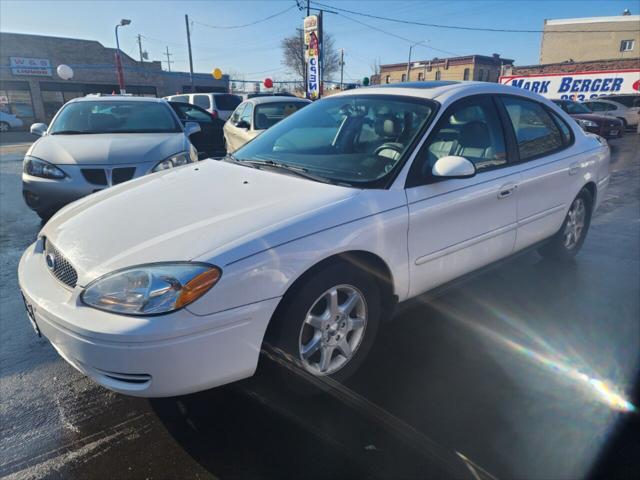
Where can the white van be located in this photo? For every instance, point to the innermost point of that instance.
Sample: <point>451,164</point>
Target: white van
<point>220,105</point>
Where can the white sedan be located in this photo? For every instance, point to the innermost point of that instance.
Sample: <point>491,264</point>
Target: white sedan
<point>255,115</point>
<point>309,235</point>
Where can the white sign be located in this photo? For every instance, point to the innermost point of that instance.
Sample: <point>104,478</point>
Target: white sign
<point>578,85</point>
<point>39,67</point>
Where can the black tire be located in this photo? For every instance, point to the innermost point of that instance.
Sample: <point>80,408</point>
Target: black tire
<point>4,127</point>
<point>285,334</point>
<point>45,215</point>
<point>557,247</point>
<point>625,125</point>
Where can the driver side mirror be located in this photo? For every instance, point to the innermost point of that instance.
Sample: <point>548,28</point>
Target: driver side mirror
<point>39,129</point>
<point>453,167</point>
<point>243,124</point>
<point>190,128</point>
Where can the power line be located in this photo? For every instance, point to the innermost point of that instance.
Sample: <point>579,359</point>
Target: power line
<point>230,27</point>
<point>395,35</point>
<point>457,27</point>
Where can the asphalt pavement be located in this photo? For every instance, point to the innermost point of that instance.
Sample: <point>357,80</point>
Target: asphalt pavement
<point>519,373</point>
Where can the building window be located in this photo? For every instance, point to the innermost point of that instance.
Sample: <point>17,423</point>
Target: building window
<point>387,79</point>
<point>404,77</point>
<point>420,76</point>
<point>627,45</point>
<point>438,75</point>
<point>466,74</point>
<point>15,98</point>
<point>481,74</point>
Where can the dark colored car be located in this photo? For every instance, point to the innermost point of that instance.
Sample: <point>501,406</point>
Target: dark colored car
<point>209,141</point>
<point>606,127</point>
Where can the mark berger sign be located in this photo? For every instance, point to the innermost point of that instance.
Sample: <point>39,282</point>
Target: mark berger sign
<point>578,85</point>
<point>39,67</point>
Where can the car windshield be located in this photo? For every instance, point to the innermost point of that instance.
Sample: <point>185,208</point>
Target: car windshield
<point>117,116</point>
<point>574,108</point>
<point>354,139</point>
<point>268,114</point>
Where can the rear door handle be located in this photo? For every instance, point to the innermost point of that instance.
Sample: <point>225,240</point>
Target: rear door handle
<point>506,190</point>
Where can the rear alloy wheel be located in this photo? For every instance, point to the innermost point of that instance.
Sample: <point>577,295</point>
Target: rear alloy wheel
<point>567,242</point>
<point>4,127</point>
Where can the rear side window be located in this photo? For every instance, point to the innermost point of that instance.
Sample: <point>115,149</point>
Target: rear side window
<point>536,132</point>
<point>227,102</point>
<point>564,129</point>
<point>202,101</point>
<point>236,114</point>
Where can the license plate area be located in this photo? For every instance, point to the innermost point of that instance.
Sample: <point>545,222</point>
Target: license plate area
<point>31,316</point>
<point>613,132</point>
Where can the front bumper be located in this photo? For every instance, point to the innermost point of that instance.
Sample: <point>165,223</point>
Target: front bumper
<point>159,356</point>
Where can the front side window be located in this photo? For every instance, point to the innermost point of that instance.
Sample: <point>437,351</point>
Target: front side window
<point>469,129</point>
<point>536,132</point>
<point>357,139</point>
<point>268,114</point>
<point>235,116</point>
<point>118,116</point>
<point>202,101</point>
<point>247,114</point>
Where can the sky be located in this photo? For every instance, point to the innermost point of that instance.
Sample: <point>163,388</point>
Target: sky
<point>253,52</point>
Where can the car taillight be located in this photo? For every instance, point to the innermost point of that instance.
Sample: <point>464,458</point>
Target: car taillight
<point>214,114</point>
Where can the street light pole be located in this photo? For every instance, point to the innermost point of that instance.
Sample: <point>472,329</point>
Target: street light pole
<point>409,61</point>
<point>119,70</point>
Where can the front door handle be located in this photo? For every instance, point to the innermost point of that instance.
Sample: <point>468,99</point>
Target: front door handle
<point>506,190</point>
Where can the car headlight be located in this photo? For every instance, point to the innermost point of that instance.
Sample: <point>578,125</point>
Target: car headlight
<point>586,123</point>
<point>173,161</point>
<point>151,289</point>
<point>39,168</point>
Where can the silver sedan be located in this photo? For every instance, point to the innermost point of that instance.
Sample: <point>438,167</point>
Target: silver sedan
<point>95,142</point>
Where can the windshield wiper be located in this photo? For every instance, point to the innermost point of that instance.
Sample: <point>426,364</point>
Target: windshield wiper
<point>299,171</point>
<point>70,132</point>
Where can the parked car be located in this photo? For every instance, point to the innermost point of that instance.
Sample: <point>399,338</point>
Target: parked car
<point>209,141</point>
<point>255,115</point>
<point>220,105</point>
<point>9,121</point>
<point>610,107</point>
<point>604,126</point>
<point>95,142</point>
<point>307,236</point>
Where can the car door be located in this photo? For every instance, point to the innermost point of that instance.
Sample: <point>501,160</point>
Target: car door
<point>208,141</point>
<point>550,168</point>
<point>230,129</point>
<point>459,225</point>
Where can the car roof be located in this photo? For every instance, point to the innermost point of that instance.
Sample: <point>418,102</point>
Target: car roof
<point>111,98</point>
<point>276,99</point>
<point>441,90</point>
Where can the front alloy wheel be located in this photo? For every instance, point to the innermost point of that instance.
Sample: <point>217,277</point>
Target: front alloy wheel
<point>333,330</point>
<point>574,226</point>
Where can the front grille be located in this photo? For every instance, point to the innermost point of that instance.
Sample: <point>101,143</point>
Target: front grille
<point>119,175</point>
<point>59,266</point>
<point>97,176</point>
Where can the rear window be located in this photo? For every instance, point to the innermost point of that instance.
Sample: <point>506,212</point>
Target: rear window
<point>269,114</point>
<point>227,101</point>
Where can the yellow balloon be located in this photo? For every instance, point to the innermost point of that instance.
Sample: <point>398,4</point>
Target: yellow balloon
<point>217,73</point>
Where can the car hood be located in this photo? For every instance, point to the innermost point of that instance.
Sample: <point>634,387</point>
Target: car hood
<point>108,149</point>
<point>210,208</point>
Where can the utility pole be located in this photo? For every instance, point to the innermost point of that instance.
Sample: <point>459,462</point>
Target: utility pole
<point>140,47</point>
<point>341,68</point>
<point>169,61</point>
<point>186,21</point>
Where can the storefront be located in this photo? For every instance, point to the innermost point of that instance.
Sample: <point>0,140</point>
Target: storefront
<point>31,89</point>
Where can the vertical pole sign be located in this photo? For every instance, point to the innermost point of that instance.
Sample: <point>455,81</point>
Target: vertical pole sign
<point>312,48</point>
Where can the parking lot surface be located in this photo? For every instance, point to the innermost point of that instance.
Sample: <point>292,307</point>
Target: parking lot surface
<point>522,371</point>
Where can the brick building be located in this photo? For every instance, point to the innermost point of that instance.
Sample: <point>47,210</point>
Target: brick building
<point>588,39</point>
<point>31,89</point>
<point>469,67</point>
<point>573,67</point>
